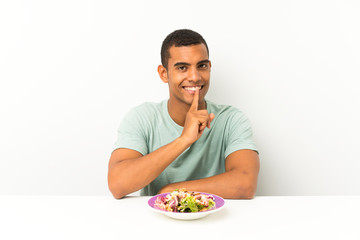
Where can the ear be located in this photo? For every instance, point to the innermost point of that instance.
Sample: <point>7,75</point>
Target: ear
<point>163,73</point>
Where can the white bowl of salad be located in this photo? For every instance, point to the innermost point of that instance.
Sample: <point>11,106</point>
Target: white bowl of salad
<point>186,205</point>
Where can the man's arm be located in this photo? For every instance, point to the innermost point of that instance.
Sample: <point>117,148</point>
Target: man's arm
<point>239,181</point>
<point>130,171</point>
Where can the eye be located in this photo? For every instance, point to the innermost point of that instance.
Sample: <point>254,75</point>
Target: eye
<point>203,66</point>
<point>182,68</point>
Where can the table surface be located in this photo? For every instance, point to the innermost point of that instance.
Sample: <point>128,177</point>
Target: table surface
<point>103,217</point>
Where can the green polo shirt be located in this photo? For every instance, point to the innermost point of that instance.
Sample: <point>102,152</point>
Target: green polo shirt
<point>149,126</point>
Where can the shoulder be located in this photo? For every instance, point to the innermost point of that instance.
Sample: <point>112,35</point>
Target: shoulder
<point>224,111</point>
<point>145,114</point>
<point>146,109</point>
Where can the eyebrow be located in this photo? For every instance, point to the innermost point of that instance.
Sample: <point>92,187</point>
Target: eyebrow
<point>188,64</point>
<point>181,64</point>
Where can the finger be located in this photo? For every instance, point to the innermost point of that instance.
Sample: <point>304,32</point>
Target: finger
<point>201,132</point>
<point>211,117</point>
<point>195,102</point>
<point>202,127</point>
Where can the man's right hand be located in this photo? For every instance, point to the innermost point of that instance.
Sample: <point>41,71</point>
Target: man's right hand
<point>196,121</point>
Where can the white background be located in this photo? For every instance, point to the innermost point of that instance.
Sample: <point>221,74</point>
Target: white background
<point>71,69</point>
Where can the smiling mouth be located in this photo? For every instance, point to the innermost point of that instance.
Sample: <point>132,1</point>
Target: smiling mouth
<point>193,88</point>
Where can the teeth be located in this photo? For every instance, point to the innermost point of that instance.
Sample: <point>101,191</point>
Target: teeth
<point>192,88</point>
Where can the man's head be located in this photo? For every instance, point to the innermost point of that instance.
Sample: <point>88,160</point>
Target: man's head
<point>178,38</point>
<point>186,66</point>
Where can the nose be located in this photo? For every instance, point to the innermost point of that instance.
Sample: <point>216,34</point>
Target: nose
<point>194,74</point>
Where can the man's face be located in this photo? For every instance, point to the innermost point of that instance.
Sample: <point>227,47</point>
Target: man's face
<point>188,67</point>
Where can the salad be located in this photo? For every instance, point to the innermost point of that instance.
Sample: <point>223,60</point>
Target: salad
<point>182,200</point>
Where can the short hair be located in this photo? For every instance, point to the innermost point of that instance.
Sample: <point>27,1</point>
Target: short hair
<point>178,38</point>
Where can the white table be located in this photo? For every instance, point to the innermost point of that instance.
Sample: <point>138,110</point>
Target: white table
<point>102,217</point>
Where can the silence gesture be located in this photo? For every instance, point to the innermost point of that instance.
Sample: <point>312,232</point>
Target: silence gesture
<point>196,121</point>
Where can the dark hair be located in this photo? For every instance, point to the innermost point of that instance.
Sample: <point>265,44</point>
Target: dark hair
<point>178,38</point>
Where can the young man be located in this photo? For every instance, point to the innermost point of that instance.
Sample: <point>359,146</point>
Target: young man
<point>185,141</point>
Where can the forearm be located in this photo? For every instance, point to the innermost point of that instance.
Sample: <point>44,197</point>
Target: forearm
<point>231,185</point>
<point>130,175</point>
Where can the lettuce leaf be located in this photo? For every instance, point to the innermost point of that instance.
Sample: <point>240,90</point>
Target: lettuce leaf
<point>188,204</point>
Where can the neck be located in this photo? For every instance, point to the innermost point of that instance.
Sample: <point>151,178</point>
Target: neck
<point>178,110</point>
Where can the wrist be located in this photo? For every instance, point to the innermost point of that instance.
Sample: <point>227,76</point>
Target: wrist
<point>183,142</point>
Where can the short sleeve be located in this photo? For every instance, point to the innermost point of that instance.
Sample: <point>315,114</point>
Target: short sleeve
<point>131,133</point>
<point>239,134</point>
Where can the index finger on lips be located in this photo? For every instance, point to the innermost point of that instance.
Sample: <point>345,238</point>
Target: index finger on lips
<point>195,102</point>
